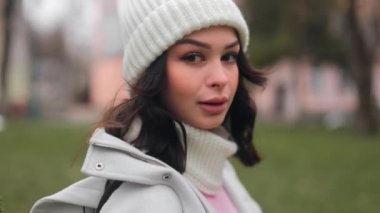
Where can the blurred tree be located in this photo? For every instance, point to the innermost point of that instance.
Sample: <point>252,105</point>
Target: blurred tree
<point>364,43</point>
<point>7,10</point>
<point>318,29</point>
<point>293,28</point>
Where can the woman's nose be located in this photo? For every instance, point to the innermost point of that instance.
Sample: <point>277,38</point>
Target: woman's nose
<point>218,76</point>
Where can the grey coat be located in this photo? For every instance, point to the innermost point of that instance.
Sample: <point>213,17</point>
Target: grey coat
<point>149,185</point>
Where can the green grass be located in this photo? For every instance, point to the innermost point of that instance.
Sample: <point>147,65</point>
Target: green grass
<point>311,170</point>
<point>36,159</point>
<point>305,169</point>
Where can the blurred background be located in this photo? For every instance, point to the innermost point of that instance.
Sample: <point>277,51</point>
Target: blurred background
<point>318,125</point>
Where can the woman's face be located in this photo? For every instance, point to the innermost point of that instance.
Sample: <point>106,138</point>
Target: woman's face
<point>202,76</point>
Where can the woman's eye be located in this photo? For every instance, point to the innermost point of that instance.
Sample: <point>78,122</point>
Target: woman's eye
<point>193,58</point>
<point>229,57</point>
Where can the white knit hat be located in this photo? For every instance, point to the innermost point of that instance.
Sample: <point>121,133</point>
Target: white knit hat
<point>149,27</point>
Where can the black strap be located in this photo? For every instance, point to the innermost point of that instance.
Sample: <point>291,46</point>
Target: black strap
<point>110,187</point>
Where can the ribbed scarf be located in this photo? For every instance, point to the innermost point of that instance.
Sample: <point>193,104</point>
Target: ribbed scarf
<point>207,153</point>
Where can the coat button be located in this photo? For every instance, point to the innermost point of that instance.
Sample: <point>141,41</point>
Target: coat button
<point>166,177</point>
<point>99,166</point>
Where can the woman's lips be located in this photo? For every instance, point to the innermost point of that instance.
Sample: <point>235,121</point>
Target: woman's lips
<point>214,105</point>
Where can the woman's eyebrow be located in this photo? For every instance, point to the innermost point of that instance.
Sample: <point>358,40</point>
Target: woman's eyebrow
<point>232,45</point>
<point>204,45</point>
<point>193,42</point>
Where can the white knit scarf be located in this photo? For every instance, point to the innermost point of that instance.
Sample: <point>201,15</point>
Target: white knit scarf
<point>207,153</point>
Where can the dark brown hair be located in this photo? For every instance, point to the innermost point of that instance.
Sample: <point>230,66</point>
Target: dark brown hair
<point>159,135</point>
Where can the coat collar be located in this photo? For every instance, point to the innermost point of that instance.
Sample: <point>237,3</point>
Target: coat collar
<point>112,158</point>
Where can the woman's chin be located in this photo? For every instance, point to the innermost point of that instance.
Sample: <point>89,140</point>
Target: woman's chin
<point>208,123</point>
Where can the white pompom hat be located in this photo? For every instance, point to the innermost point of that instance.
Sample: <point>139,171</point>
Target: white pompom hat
<point>149,27</point>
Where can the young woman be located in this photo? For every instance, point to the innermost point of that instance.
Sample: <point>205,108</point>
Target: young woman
<point>165,149</point>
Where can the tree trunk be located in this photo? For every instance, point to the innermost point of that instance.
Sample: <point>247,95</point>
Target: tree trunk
<point>362,58</point>
<point>7,15</point>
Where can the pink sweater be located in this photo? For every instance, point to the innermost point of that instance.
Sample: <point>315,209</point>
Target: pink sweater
<point>221,202</point>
